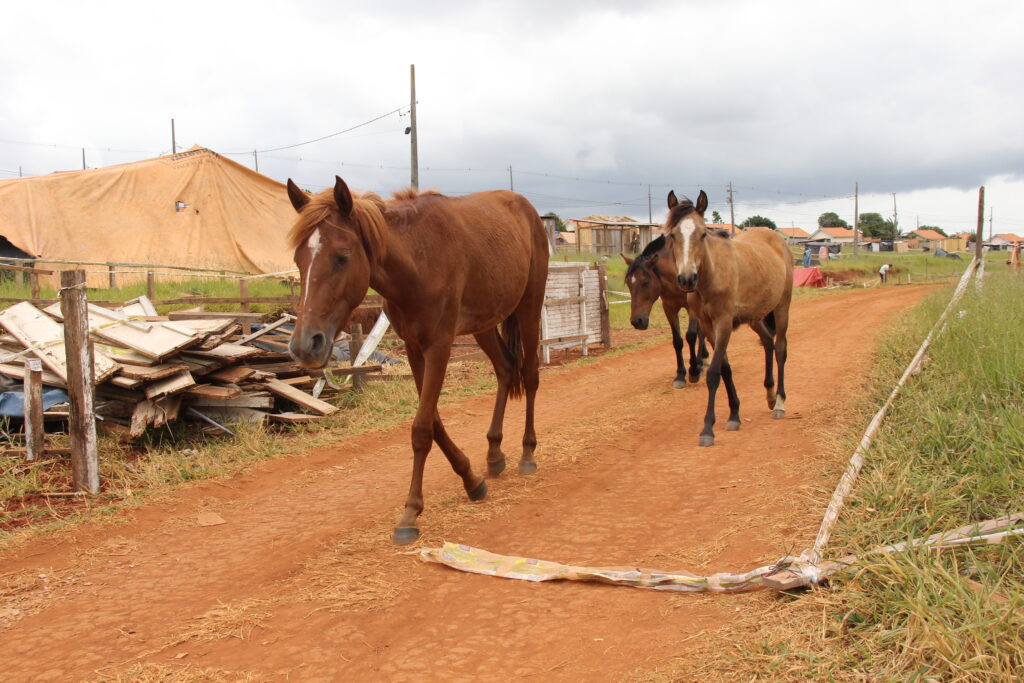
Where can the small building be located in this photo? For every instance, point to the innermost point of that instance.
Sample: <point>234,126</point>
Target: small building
<point>1005,240</point>
<point>833,235</point>
<point>794,235</point>
<point>611,234</point>
<point>929,240</point>
<point>728,227</point>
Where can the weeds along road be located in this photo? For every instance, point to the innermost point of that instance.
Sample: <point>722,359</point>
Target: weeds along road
<point>301,582</point>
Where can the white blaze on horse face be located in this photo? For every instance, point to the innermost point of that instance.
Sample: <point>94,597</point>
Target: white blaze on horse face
<point>687,230</point>
<point>313,244</point>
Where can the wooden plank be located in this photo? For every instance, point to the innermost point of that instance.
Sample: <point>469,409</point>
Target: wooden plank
<point>206,315</point>
<point>215,340</point>
<point>202,366</point>
<point>169,385</point>
<point>258,400</point>
<point>153,372</point>
<point>233,374</point>
<point>125,356</point>
<point>217,325</point>
<point>562,340</point>
<point>158,341</point>
<point>565,300</point>
<point>31,327</point>
<point>293,418</point>
<point>125,382</point>
<point>225,352</point>
<point>219,393</point>
<point>300,398</point>
<point>145,413</point>
<point>17,371</point>
<point>35,437</point>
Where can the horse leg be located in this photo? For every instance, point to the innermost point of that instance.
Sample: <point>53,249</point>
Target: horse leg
<point>490,343</point>
<point>529,327</point>
<point>734,398</point>
<point>428,368</point>
<point>781,350</point>
<point>768,342</point>
<point>722,331</point>
<point>677,344</point>
<point>694,336</point>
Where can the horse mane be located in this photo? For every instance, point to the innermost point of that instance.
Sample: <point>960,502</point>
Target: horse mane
<point>680,211</point>
<point>367,214</point>
<point>652,248</point>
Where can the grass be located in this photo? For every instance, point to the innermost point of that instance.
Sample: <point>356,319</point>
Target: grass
<point>950,453</point>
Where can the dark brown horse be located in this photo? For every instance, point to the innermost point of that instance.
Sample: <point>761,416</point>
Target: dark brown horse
<point>444,267</point>
<point>650,276</point>
<point>748,279</point>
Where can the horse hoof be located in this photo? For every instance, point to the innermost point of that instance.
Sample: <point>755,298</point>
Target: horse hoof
<point>496,467</point>
<point>404,535</point>
<point>706,440</point>
<point>527,467</point>
<point>694,379</point>
<point>480,492</point>
<point>732,425</point>
<point>778,414</point>
<point>679,384</point>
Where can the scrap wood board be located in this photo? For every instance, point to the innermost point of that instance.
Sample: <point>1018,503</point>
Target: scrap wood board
<point>31,327</point>
<point>155,340</point>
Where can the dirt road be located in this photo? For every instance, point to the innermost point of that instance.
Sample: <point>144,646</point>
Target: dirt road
<point>301,582</point>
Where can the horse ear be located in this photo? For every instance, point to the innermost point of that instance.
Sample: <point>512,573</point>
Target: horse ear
<point>298,197</point>
<point>672,201</point>
<point>702,203</point>
<point>342,196</point>
<point>625,258</point>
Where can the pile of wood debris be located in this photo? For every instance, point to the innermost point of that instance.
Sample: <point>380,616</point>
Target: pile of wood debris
<point>152,369</point>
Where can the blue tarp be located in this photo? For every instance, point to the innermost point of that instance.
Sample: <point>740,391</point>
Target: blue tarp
<point>12,403</point>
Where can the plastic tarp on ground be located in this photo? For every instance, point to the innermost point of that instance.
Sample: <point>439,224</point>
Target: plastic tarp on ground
<point>195,209</point>
<point>808,277</point>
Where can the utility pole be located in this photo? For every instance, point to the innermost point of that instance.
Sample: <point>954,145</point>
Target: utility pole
<point>856,219</point>
<point>732,213</point>
<point>989,219</point>
<point>412,127</point>
<point>174,140</point>
<point>256,161</point>
<point>19,172</point>
<point>981,223</point>
<point>83,158</point>
<point>650,219</point>
<point>511,183</point>
<point>895,218</point>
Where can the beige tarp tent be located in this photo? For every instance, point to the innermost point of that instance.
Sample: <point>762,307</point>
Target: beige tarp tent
<point>195,209</point>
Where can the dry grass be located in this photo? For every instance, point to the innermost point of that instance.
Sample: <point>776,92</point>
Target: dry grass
<point>170,673</point>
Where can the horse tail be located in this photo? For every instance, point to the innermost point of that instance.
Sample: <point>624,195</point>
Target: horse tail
<point>769,323</point>
<point>512,345</point>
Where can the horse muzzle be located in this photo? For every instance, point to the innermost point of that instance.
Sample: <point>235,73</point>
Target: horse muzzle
<point>311,348</point>
<point>688,283</point>
<point>640,322</point>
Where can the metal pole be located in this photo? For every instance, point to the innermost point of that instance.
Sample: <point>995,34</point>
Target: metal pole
<point>174,141</point>
<point>83,158</point>
<point>649,218</point>
<point>256,161</point>
<point>981,223</point>
<point>412,126</point>
<point>511,183</point>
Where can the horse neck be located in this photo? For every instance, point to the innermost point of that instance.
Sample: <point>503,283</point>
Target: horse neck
<point>392,273</point>
<point>717,264</point>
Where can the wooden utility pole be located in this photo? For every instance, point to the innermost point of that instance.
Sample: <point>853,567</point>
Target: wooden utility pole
<point>83,158</point>
<point>981,223</point>
<point>412,127</point>
<point>511,183</point>
<point>895,218</point>
<point>856,219</point>
<point>990,223</point>
<point>650,219</point>
<point>82,418</point>
<point>256,161</point>
<point>174,140</point>
<point>732,214</point>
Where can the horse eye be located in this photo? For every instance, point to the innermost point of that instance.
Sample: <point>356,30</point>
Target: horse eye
<point>341,260</point>
<point>703,235</point>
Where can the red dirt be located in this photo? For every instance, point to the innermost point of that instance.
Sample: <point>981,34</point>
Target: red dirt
<point>306,584</point>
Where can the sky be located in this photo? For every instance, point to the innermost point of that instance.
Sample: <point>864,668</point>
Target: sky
<point>595,106</point>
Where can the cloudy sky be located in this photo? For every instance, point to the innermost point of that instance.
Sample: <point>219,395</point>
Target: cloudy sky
<point>592,104</point>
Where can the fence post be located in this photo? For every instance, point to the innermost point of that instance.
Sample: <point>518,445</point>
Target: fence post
<point>243,292</point>
<point>112,275</point>
<point>35,438</point>
<point>150,286</point>
<point>33,279</point>
<point>82,418</point>
<point>606,320</point>
<point>355,343</point>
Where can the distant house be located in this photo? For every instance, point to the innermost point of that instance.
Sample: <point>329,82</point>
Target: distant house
<point>833,235</point>
<point>611,234</point>
<point>795,235</point>
<point>728,227</point>
<point>1005,240</point>
<point>926,239</point>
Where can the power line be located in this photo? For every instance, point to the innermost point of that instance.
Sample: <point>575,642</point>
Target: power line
<point>321,139</point>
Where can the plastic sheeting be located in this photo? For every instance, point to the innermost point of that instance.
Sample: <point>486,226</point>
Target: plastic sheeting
<point>808,277</point>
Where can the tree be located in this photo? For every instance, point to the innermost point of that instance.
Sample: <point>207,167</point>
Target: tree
<point>559,224</point>
<point>873,225</point>
<point>758,220</point>
<point>716,217</point>
<point>830,219</point>
<point>935,228</point>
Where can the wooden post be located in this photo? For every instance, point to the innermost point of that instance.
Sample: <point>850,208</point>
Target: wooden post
<point>33,279</point>
<point>113,275</point>
<point>355,343</point>
<point>981,222</point>
<point>35,438</point>
<point>243,292</point>
<point>606,320</point>
<point>150,285</point>
<point>82,418</point>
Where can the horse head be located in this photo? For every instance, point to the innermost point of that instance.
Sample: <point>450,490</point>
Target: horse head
<point>687,231</point>
<point>337,238</point>
<point>644,283</point>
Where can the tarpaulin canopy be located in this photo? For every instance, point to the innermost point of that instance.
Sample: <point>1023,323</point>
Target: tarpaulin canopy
<point>808,277</point>
<point>195,209</point>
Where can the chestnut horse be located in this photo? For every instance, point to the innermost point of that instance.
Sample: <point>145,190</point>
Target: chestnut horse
<point>650,276</point>
<point>748,279</point>
<point>445,267</point>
